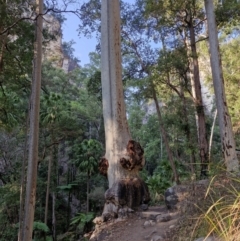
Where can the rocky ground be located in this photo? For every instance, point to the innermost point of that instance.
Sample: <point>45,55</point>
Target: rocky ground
<point>157,223</point>
<point>172,221</point>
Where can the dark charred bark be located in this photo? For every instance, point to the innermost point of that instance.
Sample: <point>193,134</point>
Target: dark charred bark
<point>124,194</point>
<point>129,192</point>
<point>134,156</point>
<point>103,166</point>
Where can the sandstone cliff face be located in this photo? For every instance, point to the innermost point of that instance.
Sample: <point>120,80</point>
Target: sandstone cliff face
<point>53,44</point>
<point>53,51</point>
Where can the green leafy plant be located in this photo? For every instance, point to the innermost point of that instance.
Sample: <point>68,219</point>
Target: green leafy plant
<point>68,187</point>
<point>39,228</point>
<point>81,220</point>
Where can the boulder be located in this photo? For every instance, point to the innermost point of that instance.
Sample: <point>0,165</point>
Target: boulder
<point>180,197</point>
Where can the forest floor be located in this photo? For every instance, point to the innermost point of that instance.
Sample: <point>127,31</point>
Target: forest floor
<point>155,224</point>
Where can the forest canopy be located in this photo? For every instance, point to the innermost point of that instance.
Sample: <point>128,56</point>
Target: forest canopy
<point>168,89</point>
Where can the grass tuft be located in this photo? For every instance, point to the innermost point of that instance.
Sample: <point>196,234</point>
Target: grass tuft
<point>221,209</point>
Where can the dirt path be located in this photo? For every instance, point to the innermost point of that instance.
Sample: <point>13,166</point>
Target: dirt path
<point>155,224</point>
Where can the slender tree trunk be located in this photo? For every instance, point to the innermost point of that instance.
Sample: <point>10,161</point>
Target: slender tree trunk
<point>225,124</point>
<point>211,136</point>
<point>23,179</point>
<point>181,95</point>
<point>3,39</point>
<point>124,157</point>
<point>34,130</point>
<point>48,183</point>
<point>53,216</point>
<point>188,135</point>
<point>88,180</point>
<point>165,138</point>
<point>201,125</point>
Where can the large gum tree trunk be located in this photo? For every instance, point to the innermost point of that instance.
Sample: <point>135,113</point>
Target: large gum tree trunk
<point>123,157</point>
<point>226,132</point>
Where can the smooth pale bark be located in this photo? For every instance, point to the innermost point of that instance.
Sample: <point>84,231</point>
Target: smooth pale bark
<point>211,136</point>
<point>116,127</point>
<point>30,198</point>
<point>124,157</point>
<point>226,132</point>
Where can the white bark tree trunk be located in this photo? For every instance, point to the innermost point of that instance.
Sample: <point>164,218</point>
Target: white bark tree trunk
<point>124,157</point>
<point>211,135</point>
<point>34,129</point>
<point>226,132</point>
<point>116,127</point>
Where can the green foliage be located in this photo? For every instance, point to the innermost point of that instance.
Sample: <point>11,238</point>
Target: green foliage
<point>161,178</point>
<point>71,108</point>
<point>68,187</point>
<point>81,220</point>
<point>227,15</point>
<point>68,49</point>
<point>9,204</point>
<point>230,61</point>
<point>40,227</point>
<point>87,155</point>
<point>94,86</point>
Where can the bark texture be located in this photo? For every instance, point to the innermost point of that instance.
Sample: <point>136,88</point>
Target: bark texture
<point>34,129</point>
<point>116,127</point>
<point>225,124</point>
<point>197,94</point>
<point>124,157</point>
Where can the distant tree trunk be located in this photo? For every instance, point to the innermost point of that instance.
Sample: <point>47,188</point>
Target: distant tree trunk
<point>3,39</point>
<point>201,123</point>
<point>34,129</point>
<point>225,124</point>
<point>22,188</point>
<point>181,95</point>
<point>165,138</point>
<point>53,216</point>
<point>48,182</point>
<point>124,157</point>
<point>88,180</point>
<point>188,135</point>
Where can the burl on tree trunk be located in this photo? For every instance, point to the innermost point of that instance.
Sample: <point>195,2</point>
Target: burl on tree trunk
<point>128,193</point>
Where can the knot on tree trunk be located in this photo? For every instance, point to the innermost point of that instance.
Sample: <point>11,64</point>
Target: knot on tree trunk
<point>103,166</point>
<point>134,156</point>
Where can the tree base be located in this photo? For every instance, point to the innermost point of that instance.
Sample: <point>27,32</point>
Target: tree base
<point>126,195</point>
